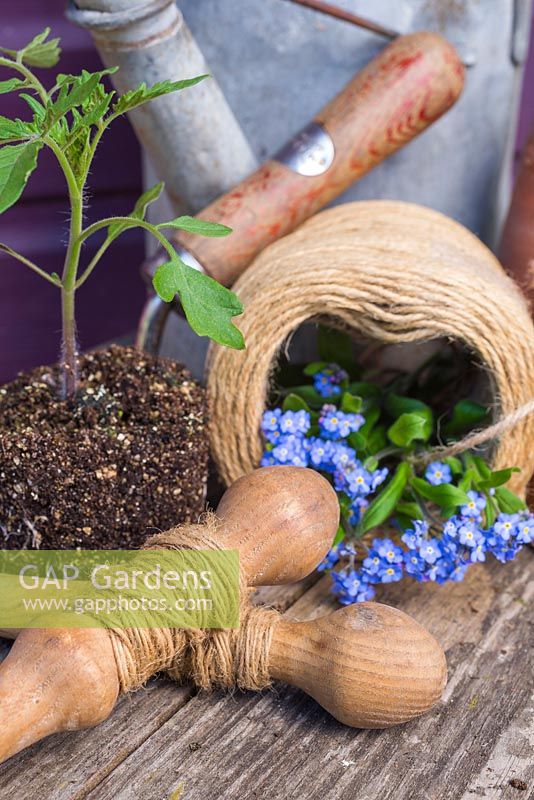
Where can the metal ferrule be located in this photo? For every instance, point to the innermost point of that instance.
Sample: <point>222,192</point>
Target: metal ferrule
<point>311,152</point>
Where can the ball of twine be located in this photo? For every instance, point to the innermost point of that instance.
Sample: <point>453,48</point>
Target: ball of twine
<point>393,272</point>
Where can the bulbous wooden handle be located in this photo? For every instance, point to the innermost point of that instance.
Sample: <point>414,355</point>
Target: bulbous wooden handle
<point>369,665</point>
<point>409,85</point>
<point>282,520</point>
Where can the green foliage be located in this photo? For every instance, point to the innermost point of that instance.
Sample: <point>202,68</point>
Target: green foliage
<point>446,495</point>
<point>144,93</point>
<point>508,502</point>
<point>40,52</point>
<point>385,502</point>
<point>17,163</point>
<point>295,403</point>
<point>411,427</point>
<point>498,478</point>
<point>351,403</point>
<point>396,405</point>
<point>208,306</point>
<point>400,432</point>
<point>70,119</point>
<point>314,367</point>
<point>15,130</point>
<point>198,226</point>
<point>11,85</point>
<point>139,210</point>
<point>465,415</point>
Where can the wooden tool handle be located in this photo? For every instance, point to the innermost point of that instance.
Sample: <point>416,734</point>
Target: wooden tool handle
<point>369,665</point>
<point>282,520</point>
<point>397,95</point>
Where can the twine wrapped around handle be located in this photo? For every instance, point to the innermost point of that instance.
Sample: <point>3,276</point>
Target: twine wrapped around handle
<point>393,272</point>
<point>207,657</point>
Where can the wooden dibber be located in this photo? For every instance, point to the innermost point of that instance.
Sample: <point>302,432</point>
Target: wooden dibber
<point>369,665</point>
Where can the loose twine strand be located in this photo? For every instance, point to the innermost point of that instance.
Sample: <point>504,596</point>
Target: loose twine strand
<point>478,437</point>
<point>395,273</point>
<point>208,657</point>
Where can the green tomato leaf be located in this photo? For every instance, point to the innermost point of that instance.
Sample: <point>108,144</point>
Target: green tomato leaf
<point>295,403</point>
<point>37,108</point>
<point>11,85</point>
<point>465,415</point>
<point>139,210</point>
<point>384,503</point>
<point>335,347</point>
<point>199,226</point>
<point>144,93</point>
<point>498,478</point>
<point>148,197</point>
<point>508,502</point>
<point>208,306</point>
<point>351,404</point>
<point>40,52</point>
<point>74,94</point>
<point>15,129</point>
<point>17,162</point>
<point>411,427</point>
<point>444,495</point>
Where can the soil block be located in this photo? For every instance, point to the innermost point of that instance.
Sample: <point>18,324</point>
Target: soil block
<point>127,458</point>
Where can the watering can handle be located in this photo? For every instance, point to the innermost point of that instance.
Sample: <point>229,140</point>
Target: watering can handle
<point>409,85</point>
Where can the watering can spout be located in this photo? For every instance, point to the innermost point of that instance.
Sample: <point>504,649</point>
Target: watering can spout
<point>192,138</point>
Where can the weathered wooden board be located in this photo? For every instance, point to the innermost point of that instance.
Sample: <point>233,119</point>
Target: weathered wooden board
<point>69,765</point>
<point>282,745</point>
<point>166,742</point>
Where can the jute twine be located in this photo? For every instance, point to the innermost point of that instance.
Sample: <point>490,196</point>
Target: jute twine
<point>208,657</point>
<point>393,272</point>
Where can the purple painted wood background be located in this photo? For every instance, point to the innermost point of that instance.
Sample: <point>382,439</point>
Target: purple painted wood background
<point>110,303</point>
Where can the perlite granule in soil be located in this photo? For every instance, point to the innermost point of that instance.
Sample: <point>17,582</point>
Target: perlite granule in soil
<point>127,458</point>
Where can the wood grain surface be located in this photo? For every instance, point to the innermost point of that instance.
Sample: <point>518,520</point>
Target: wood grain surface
<point>165,743</point>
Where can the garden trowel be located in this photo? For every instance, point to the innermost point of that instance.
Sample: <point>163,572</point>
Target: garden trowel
<point>409,85</point>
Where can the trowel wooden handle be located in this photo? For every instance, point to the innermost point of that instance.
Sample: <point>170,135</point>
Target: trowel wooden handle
<point>369,665</point>
<point>395,97</point>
